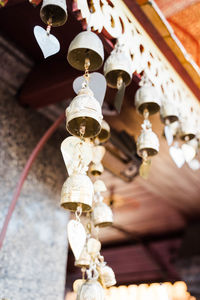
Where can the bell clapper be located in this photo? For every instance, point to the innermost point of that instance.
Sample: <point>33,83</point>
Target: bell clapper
<point>49,26</point>
<point>86,67</point>
<point>187,138</point>
<point>119,82</point>
<point>82,131</point>
<point>146,114</point>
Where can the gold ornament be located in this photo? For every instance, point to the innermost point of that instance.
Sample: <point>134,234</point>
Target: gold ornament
<point>86,45</point>
<point>84,115</point>
<point>54,12</point>
<point>77,191</point>
<point>147,98</point>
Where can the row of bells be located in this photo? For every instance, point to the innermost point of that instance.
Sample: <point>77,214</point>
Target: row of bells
<point>88,45</point>
<point>146,98</point>
<point>78,190</point>
<point>85,109</point>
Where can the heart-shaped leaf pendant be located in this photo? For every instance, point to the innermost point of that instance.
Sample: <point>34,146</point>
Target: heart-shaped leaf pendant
<point>168,135</point>
<point>177,156</point>
<point>188,152</point>
<point>77,237</point>
<point>47,42</point>
<point>145,169</point>
<point>194,164</point>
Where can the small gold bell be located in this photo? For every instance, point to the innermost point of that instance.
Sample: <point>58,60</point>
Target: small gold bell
<point>77,284</point>
<point>77,191</point>
<point>96,169</point>
<point>168,113</point>
<point>102,215</point>
<point>118,72</point>
<point>104,134</point>
<point>86,45</point>
<point>99,186</point>
<point>147,143</point>
<point>93,247</point>
<point>107,276</point>
<point>118,64</point>
<point>188,129</point>
<point>91,290</point>
<point>147,97</point>
<point>54,12</point>
<point>84,259</point>
<point>84,115</point>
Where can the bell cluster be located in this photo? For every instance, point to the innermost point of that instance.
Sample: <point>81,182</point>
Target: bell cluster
<point>82,191</point>
<point>180,119</point>
<point>178,128</point>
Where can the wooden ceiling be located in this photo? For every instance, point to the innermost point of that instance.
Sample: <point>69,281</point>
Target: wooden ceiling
<point>170,197</point>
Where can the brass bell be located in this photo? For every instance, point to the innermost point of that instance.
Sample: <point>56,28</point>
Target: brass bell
<point>86,45</point>
<point>91,290</point>
<point>77,191</point>
<point>84,259</point>
<point>96,169</point>
<point>117,65</point>
<point>188,129</point>
<point>84,115</point>
<point>104,134</point>
<point>147,143</point>
<point>93,247</point>
<point>54,12</point>
<point>99,186</point>
<point>102,215</point>
<point>77,284</point>
<point>147,97</point>
<point>107,276</point>
<point>168,113</point>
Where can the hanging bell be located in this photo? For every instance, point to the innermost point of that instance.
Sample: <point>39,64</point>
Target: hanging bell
<point>104,134</point>
<point>188,129</point>
<point>168,113</point>
<point>77,284</point>
<point>54,12</point>
<point>86,45</point>
<point>107,276</point>
<point>96,169</point>
<point>91,290</point>
<point>84,259</point>
<point>84,115</point>
<point>147,143</point>
<point>93,247</point>
<point>99,186</point>
<point>77,191</point>
<point>117,65</point>
<point>102,215</point>
<point>118,72</point>
<point>147,97</point>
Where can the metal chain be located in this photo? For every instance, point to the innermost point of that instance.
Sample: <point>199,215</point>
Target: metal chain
<point>78,213</point>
